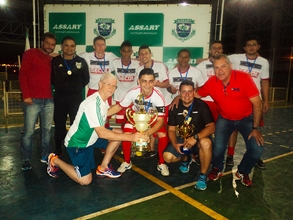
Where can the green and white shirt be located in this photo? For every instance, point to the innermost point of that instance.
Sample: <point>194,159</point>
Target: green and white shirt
<point>92,113</point>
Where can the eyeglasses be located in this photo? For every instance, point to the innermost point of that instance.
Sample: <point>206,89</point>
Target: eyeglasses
<point>108,84</point>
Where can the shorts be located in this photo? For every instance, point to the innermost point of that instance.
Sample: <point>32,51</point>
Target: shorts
<point>172,150</point>
<point>83,158</point>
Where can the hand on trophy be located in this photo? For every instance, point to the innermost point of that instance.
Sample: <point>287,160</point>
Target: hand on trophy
<point>189,142</point>
<point>178,148</point>
<point>138,137</point>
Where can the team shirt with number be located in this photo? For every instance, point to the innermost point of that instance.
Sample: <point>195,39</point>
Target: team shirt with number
<point>98,66</point>
<point>192,74</point>
<point>161,74</point>
<point>92,113</point>
<point>126,77</point>
<point>259,67</point>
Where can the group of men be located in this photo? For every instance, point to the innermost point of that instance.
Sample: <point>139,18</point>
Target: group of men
<point>230,102</point>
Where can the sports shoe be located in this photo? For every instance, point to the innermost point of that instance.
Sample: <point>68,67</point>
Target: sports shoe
<point>109,172</point>
<point>261,165</point>
<point>124,166</point>
<point>163,168</point>
<point>26,165</point>
<point>44,159</point>
<point>201,183</point>
<point>244,178</point>
<point>52,170</point>
<point>215,174</point>
<point>149,154</point>
<point>229,160</point>
<point>184,168</point>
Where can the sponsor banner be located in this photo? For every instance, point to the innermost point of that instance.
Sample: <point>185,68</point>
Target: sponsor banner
<point>68,24</point>
<point>144,28</point>
<point>162,27</point>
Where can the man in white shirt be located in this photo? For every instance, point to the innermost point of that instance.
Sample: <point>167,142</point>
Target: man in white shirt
<point>258,67</point>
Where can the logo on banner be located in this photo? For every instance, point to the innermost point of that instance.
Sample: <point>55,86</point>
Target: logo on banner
<point>183,30</point>
<point>68,24</point>
<point>105,27</point>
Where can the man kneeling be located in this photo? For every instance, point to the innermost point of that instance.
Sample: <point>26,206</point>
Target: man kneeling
<point>88,132</point>
<point>191,112</point>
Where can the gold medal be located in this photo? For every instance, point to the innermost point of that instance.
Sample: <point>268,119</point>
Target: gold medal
<point>69,72</point>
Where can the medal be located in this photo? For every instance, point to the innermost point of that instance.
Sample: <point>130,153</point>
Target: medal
<point>68,67</point>
<point>69,72</point>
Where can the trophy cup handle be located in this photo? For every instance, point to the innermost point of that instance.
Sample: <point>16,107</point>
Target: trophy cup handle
<point>129,115</point>
<point>153,119</point>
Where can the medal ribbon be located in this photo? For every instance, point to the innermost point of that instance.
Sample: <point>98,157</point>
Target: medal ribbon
<point>103,69</point>
<point>189,112</point>
<point>250,67</point>
<point>66,64</point>
<point>146,106</point>
<point>185,75</point>
<point>126,71</point>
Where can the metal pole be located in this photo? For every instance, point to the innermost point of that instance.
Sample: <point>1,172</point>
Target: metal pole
<point>39,27</point>
<point>289,75</point>
<point>217,15</point>
<point>221,21</point>
<point>34,22</point>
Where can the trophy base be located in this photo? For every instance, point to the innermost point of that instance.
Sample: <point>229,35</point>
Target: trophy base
<point>138,148</point>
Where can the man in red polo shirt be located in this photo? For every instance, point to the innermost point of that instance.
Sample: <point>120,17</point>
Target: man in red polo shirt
<point>240,108</point>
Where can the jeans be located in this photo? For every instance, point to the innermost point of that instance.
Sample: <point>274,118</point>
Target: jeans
<point>224,129</point>
<point>45,109</point>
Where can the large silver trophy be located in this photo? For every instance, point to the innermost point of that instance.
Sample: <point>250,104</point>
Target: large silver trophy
<point>141,119</point>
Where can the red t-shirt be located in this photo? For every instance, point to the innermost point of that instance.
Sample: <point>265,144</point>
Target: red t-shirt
<point>232,100</point>
<point>35,75</point>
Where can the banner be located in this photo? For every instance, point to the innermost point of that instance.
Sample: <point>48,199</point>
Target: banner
<point>165,28</point>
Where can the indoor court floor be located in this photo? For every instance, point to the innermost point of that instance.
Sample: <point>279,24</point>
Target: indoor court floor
<point>142,193</point>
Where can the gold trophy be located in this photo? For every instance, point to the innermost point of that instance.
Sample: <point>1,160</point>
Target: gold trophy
<point>185,131</point>
<point>142,119</point>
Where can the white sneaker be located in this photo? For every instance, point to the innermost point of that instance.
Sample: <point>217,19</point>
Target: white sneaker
<point>124,166</point>
<point>163,168</point>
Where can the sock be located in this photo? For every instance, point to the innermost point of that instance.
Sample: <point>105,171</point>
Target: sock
<point>231,151</point>
<point>162,144</point>
<point>126,147</point>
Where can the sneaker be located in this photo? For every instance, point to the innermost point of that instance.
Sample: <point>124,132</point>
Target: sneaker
<point>163,168</point>
<point>244,178</point>
<point>149,154</point>
<point>124,166</point>
<point>195,159</point>
<point>109,172</point>
<point>51,169</point>
<point>229,160</point>
<point>44,159</point>
<point>201,183</point>
<point>184,168</point>
<point>215,174</point>
<point>26,165</point>
<point>261,165</point>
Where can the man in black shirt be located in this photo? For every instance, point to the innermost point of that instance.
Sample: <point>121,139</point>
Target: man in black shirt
<point>196,115</point>
<point>69,75</point>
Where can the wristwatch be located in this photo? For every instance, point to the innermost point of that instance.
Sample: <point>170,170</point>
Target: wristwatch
<point>196,137</point>
<point>256,128</point>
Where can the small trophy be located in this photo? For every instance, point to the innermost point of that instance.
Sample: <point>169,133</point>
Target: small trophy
<point>185,131</point>
<point>142,119</point>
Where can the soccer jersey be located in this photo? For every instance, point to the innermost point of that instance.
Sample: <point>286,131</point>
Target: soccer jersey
<point>98,66</point>
<point>192,74</point>
<point>258,68</point>
<point>207,70</point>
<point>92,113</point>
<point>161,74</point>
<point>233,99</point>
<point>126,77</point>
<point>155,100</point>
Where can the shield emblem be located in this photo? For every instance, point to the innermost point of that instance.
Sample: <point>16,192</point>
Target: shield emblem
<point>104,28</point>
<point>183,29</point>
<point>78,65</point>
